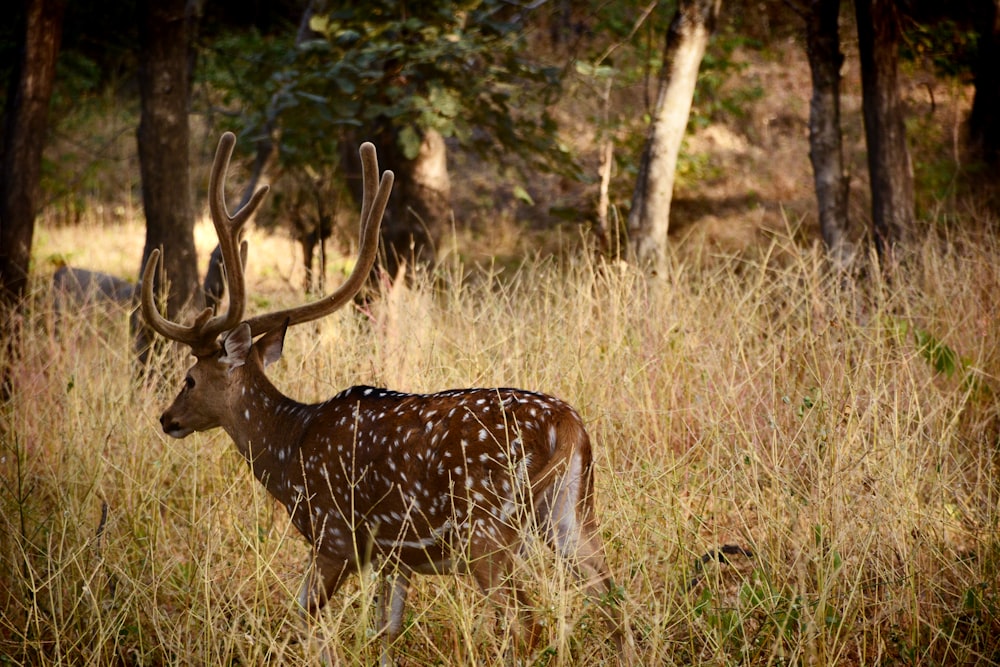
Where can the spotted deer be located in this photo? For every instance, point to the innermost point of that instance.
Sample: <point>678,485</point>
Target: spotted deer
<point>414,483</point>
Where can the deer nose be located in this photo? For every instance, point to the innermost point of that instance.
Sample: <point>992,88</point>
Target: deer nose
<point>167,423</point>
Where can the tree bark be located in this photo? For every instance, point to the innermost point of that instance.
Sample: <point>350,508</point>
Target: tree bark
<point>420,206</point>
<point>825,138</point>
<point>889,167</point>
<point>649,217</point>
<point>165,60</point>
<point>984,120</point>
<point>24,138</point>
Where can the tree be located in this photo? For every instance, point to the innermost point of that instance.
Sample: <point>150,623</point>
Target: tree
<point>825,139</point>
<point>265,135</point>
<point>414,75</point>
<point>984,120</point>
<point>163,138</point>
<point>649,217</point>
<point>404,76</point>
<point>889,168</point>
<point>24,138</point>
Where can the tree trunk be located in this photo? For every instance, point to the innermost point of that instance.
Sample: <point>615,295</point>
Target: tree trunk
<point>163,138</point>
<point>889,167</point>
<point>825,139</point>
<point>24,138</point>
<point>419,209</point>
<point>422,209</point>
<point>984,120</point>
<point>649,217</point>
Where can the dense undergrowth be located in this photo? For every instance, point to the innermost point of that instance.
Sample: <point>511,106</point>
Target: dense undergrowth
<point>842,427</point>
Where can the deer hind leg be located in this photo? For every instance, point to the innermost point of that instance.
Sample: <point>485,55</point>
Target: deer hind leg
<point>567,511</point>
<point>491,562</point>
<point>392,599</point>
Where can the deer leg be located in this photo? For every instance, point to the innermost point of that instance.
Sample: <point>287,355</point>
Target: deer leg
<point>324,579</point>
<point>573,533</point>
<point>492,566</point>
<point>592,569</point>
<point>321,583</point>
<point>392,596</point>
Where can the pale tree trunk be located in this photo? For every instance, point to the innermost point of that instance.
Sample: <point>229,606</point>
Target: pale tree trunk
<point>889,166</point>
<point>419,210</point>
<point>423,208</point>
<point>649,217</point>
<point>825,139</point>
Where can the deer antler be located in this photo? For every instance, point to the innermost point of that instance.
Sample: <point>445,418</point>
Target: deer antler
<point>374,199</point>
<point>201,334</point>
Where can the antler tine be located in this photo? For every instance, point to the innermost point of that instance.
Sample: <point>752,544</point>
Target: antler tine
<point>369,185</point>
<point>375,197</point>
<point>227,228</point>
<point>189,335</point>
<point>200,335</point>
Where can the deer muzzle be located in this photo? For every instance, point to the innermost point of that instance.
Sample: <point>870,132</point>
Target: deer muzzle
<point>172,427</point>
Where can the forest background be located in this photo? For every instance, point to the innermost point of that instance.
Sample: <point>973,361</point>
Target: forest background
<point>837,417</point>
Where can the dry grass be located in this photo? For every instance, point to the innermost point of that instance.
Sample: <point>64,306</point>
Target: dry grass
<point>845,431</point>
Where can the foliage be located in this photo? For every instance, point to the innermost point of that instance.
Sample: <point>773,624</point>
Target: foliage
<point>463,71</point>
<point>238,74</point>
<point>714,100</point>
<point>947,45</point>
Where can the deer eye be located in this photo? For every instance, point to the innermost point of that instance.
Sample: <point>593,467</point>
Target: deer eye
<point>189,382</point>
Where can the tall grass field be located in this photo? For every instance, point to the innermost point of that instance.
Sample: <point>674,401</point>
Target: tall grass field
<point>842,428</point>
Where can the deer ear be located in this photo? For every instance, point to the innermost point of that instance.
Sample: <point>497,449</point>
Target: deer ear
<point>271,344</point>
<point>236,346</point>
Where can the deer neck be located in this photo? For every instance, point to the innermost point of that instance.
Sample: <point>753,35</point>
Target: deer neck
<point>267,427</point>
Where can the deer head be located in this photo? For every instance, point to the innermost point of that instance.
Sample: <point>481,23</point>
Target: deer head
<point>416,483</point>
<point>200,405</point>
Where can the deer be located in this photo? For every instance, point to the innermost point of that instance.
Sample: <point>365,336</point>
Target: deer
<point>454,481</point>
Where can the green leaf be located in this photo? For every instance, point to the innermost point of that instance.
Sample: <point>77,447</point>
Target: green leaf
<point>443,102</point>
<point>409,141</point>
<point>599,72</point>
<point>319,23</point>
<point>522,195</point>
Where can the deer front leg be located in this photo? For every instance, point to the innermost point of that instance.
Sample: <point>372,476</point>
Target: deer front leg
<point>321,583</point>
<point>392,597</point>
